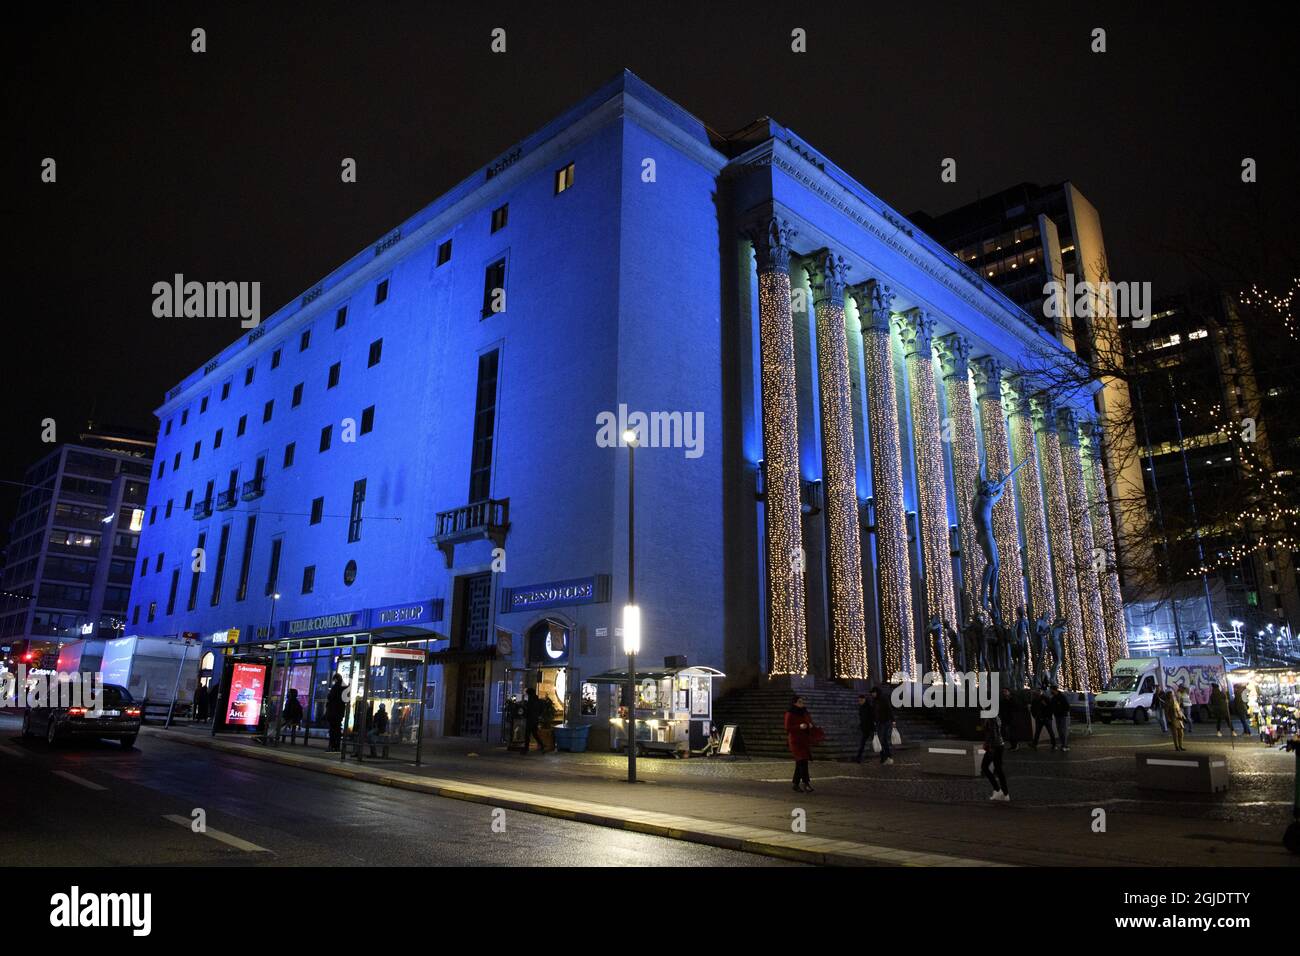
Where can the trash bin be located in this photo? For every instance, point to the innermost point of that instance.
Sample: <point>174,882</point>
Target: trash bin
<point>573,738</point>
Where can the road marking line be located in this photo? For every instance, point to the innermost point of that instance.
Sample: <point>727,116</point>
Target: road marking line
<point>80,781</point>
<point>11,751</point>
<point>218,835</point>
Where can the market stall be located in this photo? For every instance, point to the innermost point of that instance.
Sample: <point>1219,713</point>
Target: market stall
<point>1272,696</point>
<point>673,710</point>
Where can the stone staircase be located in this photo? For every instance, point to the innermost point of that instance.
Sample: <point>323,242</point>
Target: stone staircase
<point>759,712</point>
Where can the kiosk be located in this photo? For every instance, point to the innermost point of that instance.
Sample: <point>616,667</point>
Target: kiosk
<point>673,711</point>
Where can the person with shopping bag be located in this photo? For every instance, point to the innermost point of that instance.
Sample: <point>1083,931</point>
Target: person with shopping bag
<point>801,734</point>
<point>886,732</point>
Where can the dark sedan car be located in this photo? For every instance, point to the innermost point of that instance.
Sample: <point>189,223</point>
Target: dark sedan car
<point>118,718</point>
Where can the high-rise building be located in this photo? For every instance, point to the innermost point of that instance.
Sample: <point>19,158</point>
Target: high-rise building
<point>73,541</point>
<point>428,443</point>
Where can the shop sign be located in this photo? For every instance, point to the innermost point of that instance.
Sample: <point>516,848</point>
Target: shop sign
<point>339,623</point>
<point>230,636</point>
<point>536,597</point>
<point>405,615</point>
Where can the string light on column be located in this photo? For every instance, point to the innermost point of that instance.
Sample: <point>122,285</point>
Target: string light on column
<point>787,637</point>
<point>1094,622</point>
<point>1074,671</point>
<point>1042,593</point>
<point>897,638</point>
<point>826,275</point>
<point>1091,437</point>
<point>997,461</point>
<point>916,330</point>
<point>954,356</point>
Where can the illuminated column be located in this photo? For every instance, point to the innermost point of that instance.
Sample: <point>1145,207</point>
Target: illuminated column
<point>1103,535</point>
<point>1076,494</point>
<point>897,637</point>
<point>788,642</point>
<point>826,275</point>
<point>954,356</point>
<point>916,329</point>
<point>997,462</point>
<point>1033,519</point>
<point>1074,670</point>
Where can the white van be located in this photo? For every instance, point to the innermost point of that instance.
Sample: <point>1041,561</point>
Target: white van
<point>1134,680</point>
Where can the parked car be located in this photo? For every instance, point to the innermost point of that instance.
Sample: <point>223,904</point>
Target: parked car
<point>118,718</point>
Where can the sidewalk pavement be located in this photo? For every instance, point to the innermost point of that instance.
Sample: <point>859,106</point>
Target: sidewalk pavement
<point>860,814</point>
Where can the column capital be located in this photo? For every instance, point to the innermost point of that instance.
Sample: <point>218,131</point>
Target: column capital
<point>954,355</point>
<point>988,377</point>
<point>771,237</point>
<point>916,329</point>
<point>1068,425</point>
<point>827,275</point>
<point>1044,412</point>
<point>874,300</point>
<point>1092,434</point>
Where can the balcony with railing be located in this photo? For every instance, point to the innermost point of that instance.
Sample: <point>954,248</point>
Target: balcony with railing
<point>203,509</point>
<point>488,519</point>
<point>254,488</point>
<point>226,499</point>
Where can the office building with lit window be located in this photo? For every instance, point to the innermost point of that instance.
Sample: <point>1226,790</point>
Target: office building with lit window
<point>428,441</point>
<point>73,542</point>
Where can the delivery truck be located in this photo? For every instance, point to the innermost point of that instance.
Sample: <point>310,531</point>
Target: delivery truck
<point>1134,679</point>
<point>152,669</point>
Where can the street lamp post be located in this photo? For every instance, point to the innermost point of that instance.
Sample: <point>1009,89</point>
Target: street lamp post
<point>270,636</point>
<point>631,613</point>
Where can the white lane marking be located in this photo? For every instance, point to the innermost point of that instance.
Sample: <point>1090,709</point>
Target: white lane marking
<point>11,751</point>
<point>80,781</point>
<point>218,835</point>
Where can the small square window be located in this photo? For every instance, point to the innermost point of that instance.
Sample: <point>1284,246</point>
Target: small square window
<point>162,466</point>
<point>367,419</point>
<point>185,416</point>
<point>153,514</point>
<point>308,578</point>
<point>197,446</point>
<point>341,317</point>
<point>297,395</point>
<point>381,291</point>
<point>288,454</point>
<point>168,512</point>
<point>494,288</point>
<point>317,510</point>
<point>144,566</point>
<point>334,375</point>
<point>225,391</point>
<point>267,409</point>
<point>500,216</point>
<point>275,359</point>
<point>189,499</point>
<point>243,425</point>
<point>158,564</point>
<point>176,462</point>
<point>376,350</point>
<point>325,434</point>
<point>203,404</point>
<point>216,439</point>
<point>304,340</point>
<point>444,252</point>
<point>248,374</point>
<point>563,179</point>
<point>168,429</point>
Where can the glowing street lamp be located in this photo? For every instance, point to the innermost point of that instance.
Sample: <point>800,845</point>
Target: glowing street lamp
<point>631,613</point>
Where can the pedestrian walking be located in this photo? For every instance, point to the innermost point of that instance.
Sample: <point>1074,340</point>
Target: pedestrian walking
<point>991,765</point>
<point>1040,710</point>
<point>532,720</point>
<point>1008,712</point>
<point>1061,715</point>
<point>1158,708</point>
<point>200,708</point>
<point>1241,711</point>
<point>799,730</point>
<point>378,728</point>
<point>1219,711</point>
<point>866,724</point>
<point>884,712</point>
<point>1185,704</point>
<point>1174,714</point>
<point>214,692</point>
<point>334,710</point>
<point>292,718</point>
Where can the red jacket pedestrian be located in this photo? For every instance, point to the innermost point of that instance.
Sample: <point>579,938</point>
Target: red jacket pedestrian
<point>799,735</point>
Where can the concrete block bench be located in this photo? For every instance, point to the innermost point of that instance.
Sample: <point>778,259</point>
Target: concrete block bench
<point>1195,773</point>
<point>953,758</point>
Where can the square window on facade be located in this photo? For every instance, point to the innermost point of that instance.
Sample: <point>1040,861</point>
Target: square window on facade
<point>288,454</point>
<point>494,288</point>
<point>267,409</point>
<point>176,462</point>
<point>248,374</point>
<point>197,446</point>
<point>308,578</point>
<point>500,216</point>
<point>335,369</point>
<point>297,395</point>
<point>189,499</point>
<point>381,291</point>
<point>185,416</point>
<point>317,510</point>
<point>225,391</point>
<point>243,425</point>
<point>376,350</point>
<point>304,340</point>
<point>153,514</point>
<point>216,439</point>
<point>168,512</point>
<point>563,179</point>
<point>167,429</point>
<point>341,317</point>
<point>162,466</point>
<point>325,434</point>
<point>444,252</point>
<point>275,359</point>
<point>203,404</point>
<point>367,419</point>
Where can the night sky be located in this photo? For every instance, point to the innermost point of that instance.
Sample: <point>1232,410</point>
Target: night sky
<point>225,165</point>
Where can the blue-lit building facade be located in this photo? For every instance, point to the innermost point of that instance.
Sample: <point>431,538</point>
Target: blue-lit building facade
<point>427,441</point>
